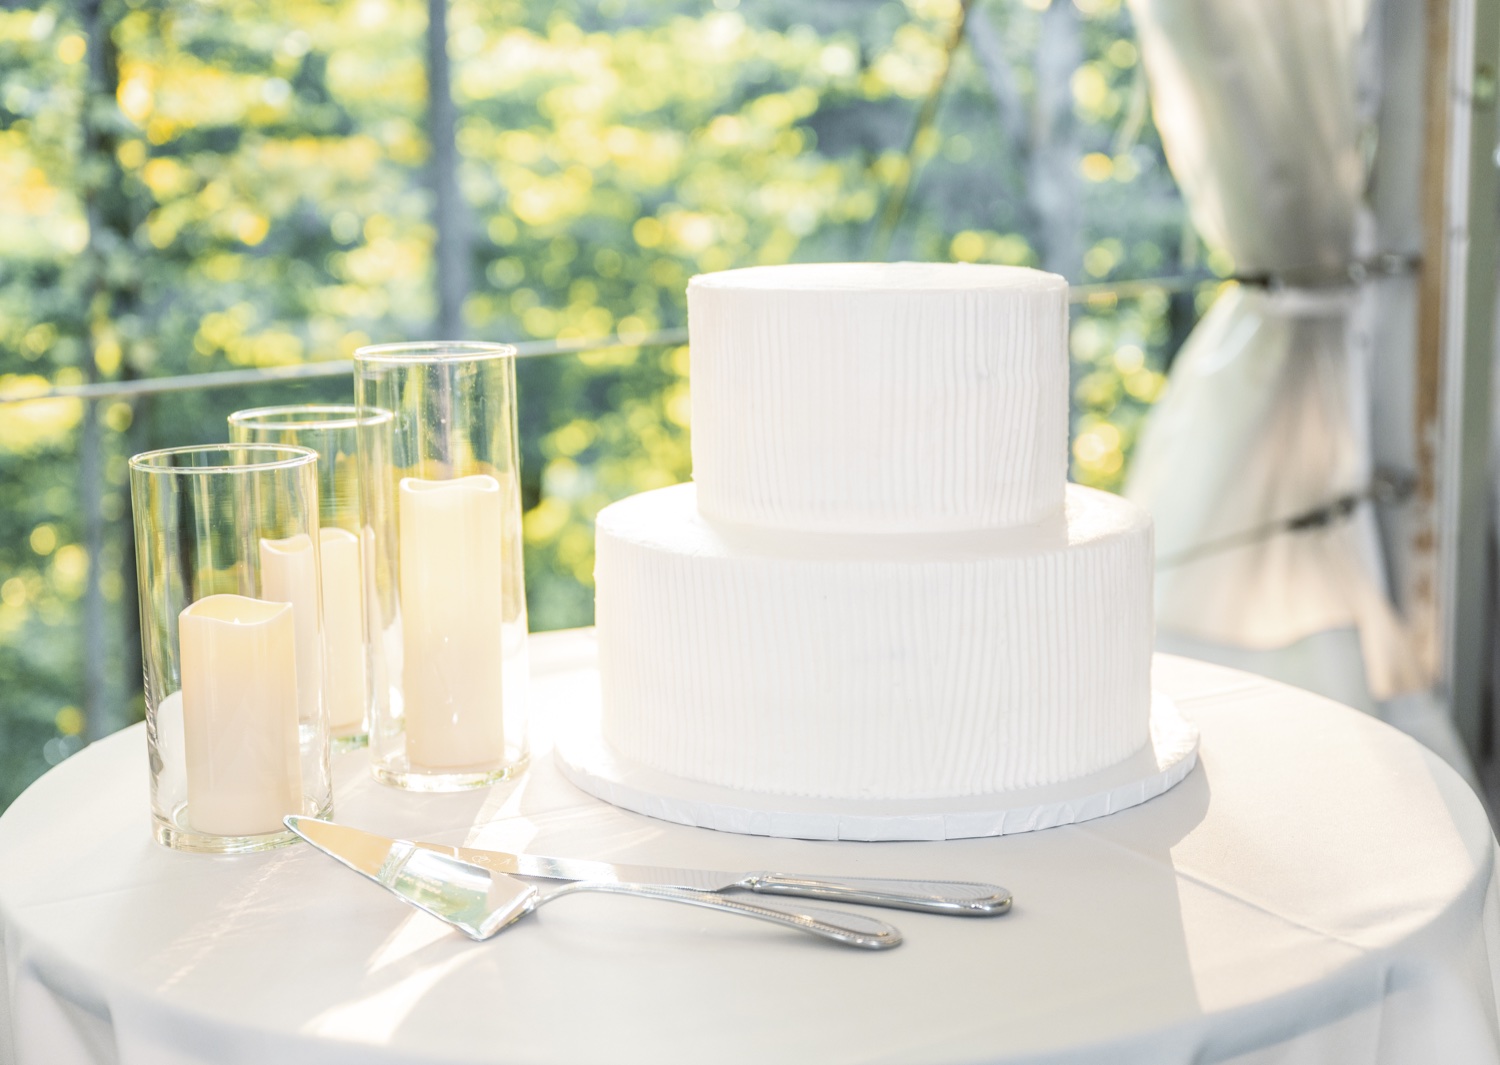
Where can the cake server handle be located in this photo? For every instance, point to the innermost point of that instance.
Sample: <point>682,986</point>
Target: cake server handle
<point>955,898</point>
<point>850,929</point>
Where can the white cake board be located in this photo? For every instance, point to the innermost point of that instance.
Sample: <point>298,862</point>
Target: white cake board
<point>587,761</point>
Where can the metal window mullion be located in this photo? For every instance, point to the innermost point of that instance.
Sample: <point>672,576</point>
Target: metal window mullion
<point>1472,231</point>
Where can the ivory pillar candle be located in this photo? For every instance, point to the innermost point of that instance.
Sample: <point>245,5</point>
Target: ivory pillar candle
<point>239,714</point>
<point>451,614</point>
<point>343,629</point>
<point>289,574</point>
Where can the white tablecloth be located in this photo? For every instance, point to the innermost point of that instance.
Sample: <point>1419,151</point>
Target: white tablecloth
<point>1320,889</point>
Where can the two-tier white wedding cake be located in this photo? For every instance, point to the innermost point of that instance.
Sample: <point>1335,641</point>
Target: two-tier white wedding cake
<point>879,585</point>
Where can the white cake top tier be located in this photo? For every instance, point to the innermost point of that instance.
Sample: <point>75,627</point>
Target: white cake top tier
<point>879,397</point>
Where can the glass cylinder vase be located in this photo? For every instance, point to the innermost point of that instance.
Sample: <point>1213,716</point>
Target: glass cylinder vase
<point>346,554</point>
<point>442,497</point>
<point>227,549</point>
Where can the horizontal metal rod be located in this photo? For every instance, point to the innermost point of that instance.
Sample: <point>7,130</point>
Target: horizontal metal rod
<point>151,386</point>
<point>1389,486</point>
<point>1131,289</point>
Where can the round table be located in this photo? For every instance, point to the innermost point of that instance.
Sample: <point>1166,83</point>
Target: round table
<point>1320,888</point>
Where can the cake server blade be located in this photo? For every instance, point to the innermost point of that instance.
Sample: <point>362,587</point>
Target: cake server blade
<point>954,898</point>
<point>471,899</point>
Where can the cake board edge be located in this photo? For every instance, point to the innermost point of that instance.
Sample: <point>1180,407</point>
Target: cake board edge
<point>588,763</point>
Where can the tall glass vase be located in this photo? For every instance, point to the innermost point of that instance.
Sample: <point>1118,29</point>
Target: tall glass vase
<point>227,549</point>
<point>347,555</point>
<point>441,498</point>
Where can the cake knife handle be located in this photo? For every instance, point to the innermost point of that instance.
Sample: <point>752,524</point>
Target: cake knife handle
<point>955,898</point>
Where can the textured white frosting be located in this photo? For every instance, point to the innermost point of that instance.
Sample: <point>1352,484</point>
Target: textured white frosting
<point>890,666</point>
<point>896,397</point>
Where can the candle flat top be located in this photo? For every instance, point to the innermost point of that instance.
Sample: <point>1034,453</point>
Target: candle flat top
<point>290,545</point>
<point>235,609</point>
<point>476,482</point>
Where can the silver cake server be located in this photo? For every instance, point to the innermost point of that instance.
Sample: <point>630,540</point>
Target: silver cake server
<point>956,898</point>
<point>481,902</point>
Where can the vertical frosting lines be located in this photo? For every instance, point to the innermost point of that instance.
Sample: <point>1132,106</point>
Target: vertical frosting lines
<point>872,677</point>
<point>885,406</point>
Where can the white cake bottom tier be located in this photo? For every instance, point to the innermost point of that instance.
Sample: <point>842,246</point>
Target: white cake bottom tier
<point>874,666</point>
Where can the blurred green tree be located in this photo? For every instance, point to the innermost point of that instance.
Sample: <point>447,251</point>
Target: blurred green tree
<point>250,183</point>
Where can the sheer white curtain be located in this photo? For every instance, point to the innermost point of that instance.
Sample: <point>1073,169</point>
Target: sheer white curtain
<point>1266,111</point>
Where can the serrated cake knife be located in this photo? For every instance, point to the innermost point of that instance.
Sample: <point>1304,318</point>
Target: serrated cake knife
<point>953,898</point>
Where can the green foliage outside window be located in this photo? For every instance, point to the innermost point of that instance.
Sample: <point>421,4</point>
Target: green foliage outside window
<point>198,186</point>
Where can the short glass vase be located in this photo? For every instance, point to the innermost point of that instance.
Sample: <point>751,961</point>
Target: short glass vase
<point>227,546</point>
